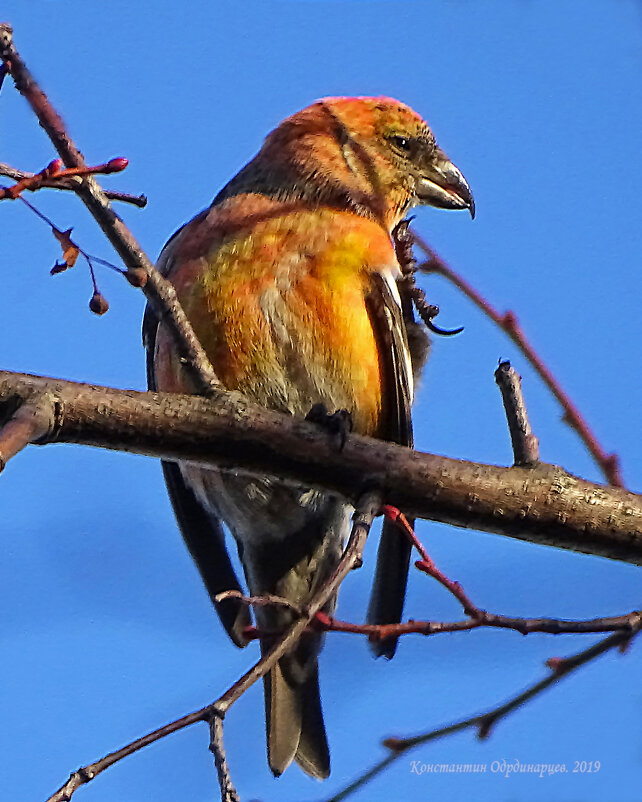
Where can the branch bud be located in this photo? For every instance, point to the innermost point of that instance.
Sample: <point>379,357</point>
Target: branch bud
<point>98,303</point>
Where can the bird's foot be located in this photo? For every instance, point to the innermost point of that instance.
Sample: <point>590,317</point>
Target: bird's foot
<point>337,423</point>
<point>403,241</point>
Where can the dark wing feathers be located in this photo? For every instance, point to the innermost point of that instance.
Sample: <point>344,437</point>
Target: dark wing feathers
<point>205,539</point>
<point>393,556</point>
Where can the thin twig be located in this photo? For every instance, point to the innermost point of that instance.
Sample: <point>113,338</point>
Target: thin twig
<point>366,510</point>
<point>484,722</point>
<point>70,252</point>
<point>525,444</point>
<point>140,271</point>
<point>54,172</point>
<point>228,791</point>
<point>267,600</point>
<point>87,773</point>
<point>477,617</point>
<point>608,463</point>
<point>427,565</point>
<point>554,626</point>
<point>70,184</point>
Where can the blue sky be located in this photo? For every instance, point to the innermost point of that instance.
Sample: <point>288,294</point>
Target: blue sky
<point>106,632</point>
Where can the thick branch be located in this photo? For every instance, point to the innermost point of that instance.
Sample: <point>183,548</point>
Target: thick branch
<point>31,421</point>
<point>543,505</point>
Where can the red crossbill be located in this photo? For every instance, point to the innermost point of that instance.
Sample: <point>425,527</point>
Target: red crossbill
<point>290,281</point>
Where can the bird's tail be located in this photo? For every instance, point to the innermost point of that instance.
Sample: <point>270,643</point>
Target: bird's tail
<point>293,568</point>
<point>294,722</point>
<point>293,716</point>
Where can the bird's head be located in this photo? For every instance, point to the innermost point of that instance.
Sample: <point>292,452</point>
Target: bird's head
<point>374,152</point>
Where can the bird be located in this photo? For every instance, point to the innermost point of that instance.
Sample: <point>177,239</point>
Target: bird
<point>291,282</point>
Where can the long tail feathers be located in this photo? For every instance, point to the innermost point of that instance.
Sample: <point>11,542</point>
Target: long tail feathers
<point>294,568</point>
<point>294,724</point>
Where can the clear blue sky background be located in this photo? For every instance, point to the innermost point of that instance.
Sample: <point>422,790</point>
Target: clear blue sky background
<point>106,631</point>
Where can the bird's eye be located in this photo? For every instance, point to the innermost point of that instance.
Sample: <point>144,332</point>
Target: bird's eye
<point>402,143</point>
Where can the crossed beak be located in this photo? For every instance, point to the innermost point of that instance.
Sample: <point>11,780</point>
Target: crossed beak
<point>442,185</point>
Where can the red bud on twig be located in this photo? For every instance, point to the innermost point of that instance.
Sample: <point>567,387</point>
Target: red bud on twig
<point>115,165</point>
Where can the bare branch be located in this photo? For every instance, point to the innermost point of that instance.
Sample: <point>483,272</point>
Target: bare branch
<point>608,463</point>
<point>71,184</point>
<point>267,600</point>
<point>627,623</point>
<point>426,563</point>
<point>228,791</point>
<point>543,505</point>
<point>366,510</point>
<point>159,292</point>
<point>54,171</point>
<point>87,773</point>
<point>484,722</point>
<point>525,444</point>
<point>477,617</point>
<point>32,420</point>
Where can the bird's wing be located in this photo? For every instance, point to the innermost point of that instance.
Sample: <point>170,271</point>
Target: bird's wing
<point>201,529</point>
<point>393,556</point>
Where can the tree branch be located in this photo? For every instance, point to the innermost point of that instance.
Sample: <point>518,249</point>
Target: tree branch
<point>140,271</point>
<point>484,722</point>
<point>543,505</point>
<point>525,444</point>
<point>67,183</point>
<point>87,773</point>
<point>608,463</point>
<point>31,421</point>
<point>366,509</point>
<point>628,623</point>
<point>228,791</point>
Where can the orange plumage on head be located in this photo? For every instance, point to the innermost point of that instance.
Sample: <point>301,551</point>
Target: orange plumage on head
<point>290,281</point>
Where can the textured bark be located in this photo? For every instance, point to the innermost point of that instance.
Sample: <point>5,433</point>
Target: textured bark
<point>544,504</point>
